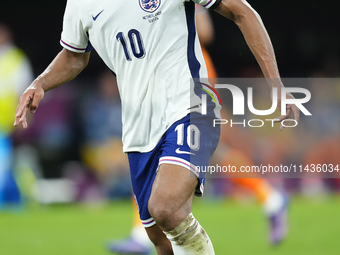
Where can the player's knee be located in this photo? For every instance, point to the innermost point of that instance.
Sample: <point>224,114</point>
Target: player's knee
<point>162,212</point>
<point>159,211</point>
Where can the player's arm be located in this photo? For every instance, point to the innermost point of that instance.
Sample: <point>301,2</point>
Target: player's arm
<point>204,26</point>
<point>64,68</point>
<point>257,38</point>
<point>254,32</point>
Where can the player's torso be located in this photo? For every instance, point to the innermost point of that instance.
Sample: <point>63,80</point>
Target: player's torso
<point>152,47</point>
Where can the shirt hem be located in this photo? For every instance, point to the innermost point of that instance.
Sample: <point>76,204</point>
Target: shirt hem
<point>149,148</point>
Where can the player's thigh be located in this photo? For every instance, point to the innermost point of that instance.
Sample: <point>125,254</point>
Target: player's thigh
<point>172,193</point>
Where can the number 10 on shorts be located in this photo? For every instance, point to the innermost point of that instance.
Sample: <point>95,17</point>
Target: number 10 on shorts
<point>193,136</point>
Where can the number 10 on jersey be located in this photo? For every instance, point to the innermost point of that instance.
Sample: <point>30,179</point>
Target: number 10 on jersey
<point>136,43</point>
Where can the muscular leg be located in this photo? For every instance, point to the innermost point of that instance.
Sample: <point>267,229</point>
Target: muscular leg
<point>170,205</point>
<point>170,202</point>
<point>171,196</point>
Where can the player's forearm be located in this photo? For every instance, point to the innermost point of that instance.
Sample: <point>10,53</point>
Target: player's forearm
<point>64,68</point>
<point>254,32</point>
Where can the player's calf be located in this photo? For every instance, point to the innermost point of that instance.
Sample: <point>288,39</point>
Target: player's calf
<point>187,238</point>
<point>161,242</point>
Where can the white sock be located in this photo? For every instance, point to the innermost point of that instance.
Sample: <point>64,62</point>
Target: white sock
<point>273,203</point>
<point>138,233</point>
<point>189,238</point>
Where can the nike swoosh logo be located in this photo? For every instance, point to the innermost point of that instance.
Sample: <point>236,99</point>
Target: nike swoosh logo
<point>95,17</point>
<point>192,107</point>
<point>184,152</point>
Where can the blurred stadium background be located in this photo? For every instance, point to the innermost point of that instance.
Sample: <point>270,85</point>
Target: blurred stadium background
<point>74,180</point>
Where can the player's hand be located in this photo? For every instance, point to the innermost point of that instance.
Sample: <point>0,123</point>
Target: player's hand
<point>292,111</point>
<point>29,100</point>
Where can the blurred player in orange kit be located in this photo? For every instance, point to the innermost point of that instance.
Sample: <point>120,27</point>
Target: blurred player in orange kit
<point>273,202</point>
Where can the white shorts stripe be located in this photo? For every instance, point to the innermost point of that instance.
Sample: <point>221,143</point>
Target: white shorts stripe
<point>179,162</point>
<point>148,223</point>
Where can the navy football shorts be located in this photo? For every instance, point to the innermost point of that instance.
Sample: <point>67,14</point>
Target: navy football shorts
<point>189,142</point>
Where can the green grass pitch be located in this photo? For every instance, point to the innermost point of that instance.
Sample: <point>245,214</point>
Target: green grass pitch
<point>234,228</point>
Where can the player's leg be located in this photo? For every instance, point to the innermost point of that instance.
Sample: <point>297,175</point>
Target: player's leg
<point>138,232</point>
<point>274,203</point>
<point>267,195</point>
<point>170,205</point>
<point>160,241</point>
<point>143,167</point>
<point>137,242</point>
<point>171,196</point>
<point>167,194</point>
<point>188,143</point>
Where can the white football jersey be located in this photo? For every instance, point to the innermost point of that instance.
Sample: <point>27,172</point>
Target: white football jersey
<point>152,47</point>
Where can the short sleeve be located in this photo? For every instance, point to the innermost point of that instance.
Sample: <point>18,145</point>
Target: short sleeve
<point>73,37</point>
<point>209,4</point>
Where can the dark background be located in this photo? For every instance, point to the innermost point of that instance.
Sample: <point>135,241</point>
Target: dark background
<point>305,35</point>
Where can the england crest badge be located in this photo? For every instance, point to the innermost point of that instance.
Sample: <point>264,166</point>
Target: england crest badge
<point>149,5</point>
